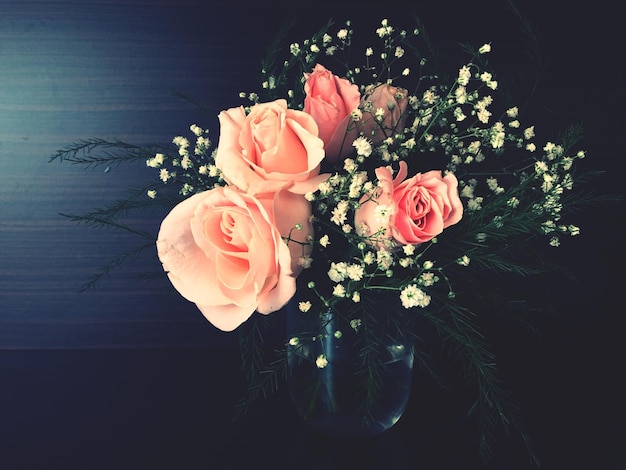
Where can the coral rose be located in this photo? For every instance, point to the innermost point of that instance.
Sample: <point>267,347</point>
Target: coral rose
<point>270,149</point>
<point>222,250</point>
<point>330,100</point>
<point>409,211</point>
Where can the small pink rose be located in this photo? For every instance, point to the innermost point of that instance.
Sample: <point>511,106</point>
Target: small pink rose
<point>270,149</point>
<point>330,100</point>
<point>393,102</point>
<point>409,211</point>
<point>222,250</point>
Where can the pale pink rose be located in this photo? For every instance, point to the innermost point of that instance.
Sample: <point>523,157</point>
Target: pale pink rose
<point>409,211</point>
<point>330,100</point>
<point>222,250</point>
<point>270,149</point>
<point>393,101</point>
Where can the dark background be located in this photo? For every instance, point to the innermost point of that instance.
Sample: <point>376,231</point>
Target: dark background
<point>130,375</point>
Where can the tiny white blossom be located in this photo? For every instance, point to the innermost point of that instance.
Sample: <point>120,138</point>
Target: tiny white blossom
<point>408,250</point>
<point>321,361</point>
<point>413,296</point>
<point>349,165</point>
<point>382,213</point>
<point>512,112</point>
<point>363,146</point>
<point>463,261</point>
<point>339,290</point>
<point>427,279</point>
<point>485,48</point>
<point>355,272</point>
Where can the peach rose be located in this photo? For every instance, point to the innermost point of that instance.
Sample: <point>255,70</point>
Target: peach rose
<point>393,101</point>
<point>409,211</point>
<point>330,100</point>
<point>222,250</point>
<point>270,149</point>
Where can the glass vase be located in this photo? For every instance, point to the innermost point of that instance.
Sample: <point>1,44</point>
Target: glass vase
<point>341,381</point>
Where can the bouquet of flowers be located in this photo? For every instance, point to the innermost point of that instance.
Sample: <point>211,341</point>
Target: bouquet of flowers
<point>379,189</point>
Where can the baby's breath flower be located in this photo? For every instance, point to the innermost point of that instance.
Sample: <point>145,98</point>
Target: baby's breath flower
<point>513,202</point>
<point>339,290</point>
<point>349,165</point>
<point>408,250</point>
<point>337,272</point>
<point>369,258</point>
<point>497,135</point>
<point>340,212</point>
<point>463,260</point>
<point>458,114</point>
<point>427,279</point>
<point>305,262</point>
<point>321,361</point>
<point>413,296</point>
<point>384,259</point>
<point>475,204</point>
<point>355,272</point>
<point>156,161</point>
<point>464,75</point>
<point>363,146</point>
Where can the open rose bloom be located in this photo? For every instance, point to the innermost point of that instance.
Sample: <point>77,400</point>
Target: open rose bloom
<point>222,250</point>
<point>408,211</point>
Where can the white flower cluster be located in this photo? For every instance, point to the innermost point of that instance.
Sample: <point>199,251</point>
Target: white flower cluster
<point>194,170</point>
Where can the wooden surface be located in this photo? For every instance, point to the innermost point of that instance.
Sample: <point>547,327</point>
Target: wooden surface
<point>130,375</point>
